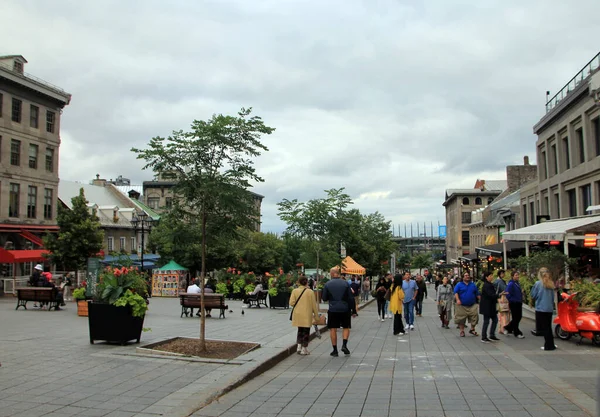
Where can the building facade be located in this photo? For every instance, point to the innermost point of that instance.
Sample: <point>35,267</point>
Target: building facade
<point>30,112</point>
<point>568,152</point>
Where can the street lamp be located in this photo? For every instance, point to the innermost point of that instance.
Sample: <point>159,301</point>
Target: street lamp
<point>142,221</point>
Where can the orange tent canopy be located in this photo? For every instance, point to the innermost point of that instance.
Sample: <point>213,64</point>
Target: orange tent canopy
<point>350,266</point>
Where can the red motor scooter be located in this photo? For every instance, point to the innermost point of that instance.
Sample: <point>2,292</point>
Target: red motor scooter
<point>572,319</point>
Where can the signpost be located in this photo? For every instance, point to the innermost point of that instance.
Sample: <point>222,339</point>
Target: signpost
<point>93,268</point>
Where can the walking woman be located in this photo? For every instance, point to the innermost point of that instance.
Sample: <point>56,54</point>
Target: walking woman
<point>396,301</point>
<point>514,295</point>
<point>543,295</point>
<point>487,307</point>
<point>503,308</point>
<point>305,309</point>
<point>380,290</point>
<point>444,298</point>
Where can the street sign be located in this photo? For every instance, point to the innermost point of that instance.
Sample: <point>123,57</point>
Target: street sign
<point>442,231</point>
<point>93,269</point>
<point>342,250</point>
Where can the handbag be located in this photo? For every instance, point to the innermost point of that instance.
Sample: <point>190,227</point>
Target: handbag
<point>292,312</point>
<point>503,304</point>
<point>321,321</point>
<point>388,294</point>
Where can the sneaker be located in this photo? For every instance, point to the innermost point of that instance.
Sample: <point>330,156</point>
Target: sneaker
<point>485,340</point>
<point>555,347</point>
<point>412,327</point>
<point>334,354</point>
<point>345,350</point>
<point>304,351</point>
<point>382,319</point>
<point>494,338</point>
<point>401,333</point>
<point>298,348</point>
<point>520,336</point>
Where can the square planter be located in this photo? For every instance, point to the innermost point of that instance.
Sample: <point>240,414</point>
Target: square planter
<point>281,300</point>
<point>113,324</point>
<point>82,308</point>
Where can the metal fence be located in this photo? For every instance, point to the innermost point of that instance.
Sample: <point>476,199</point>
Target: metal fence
<point>10,284</point>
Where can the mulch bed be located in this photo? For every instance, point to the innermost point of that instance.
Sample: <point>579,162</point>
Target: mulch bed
<point>215,349</point>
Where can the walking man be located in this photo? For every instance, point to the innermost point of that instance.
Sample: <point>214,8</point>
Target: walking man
<point>337,292</point>
<point>467,296</point>
<point>409,286</point>
<point>422,294</point>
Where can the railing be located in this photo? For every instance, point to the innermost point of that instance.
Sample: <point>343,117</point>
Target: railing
<point>11,283</point>
<point>33,78</point>
<point>585,72</point>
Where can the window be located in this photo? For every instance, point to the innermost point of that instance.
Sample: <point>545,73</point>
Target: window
<point>122,244</point>
<point>531,213</point>
<point>490,200</point>
<point>465,238</point>
<point>16,110</point>
<point>466,217</point>
<point>466,201</point>
<point>478,201</point>
<point>153,202</point>
<point>33,156</point>
<point>557,205</point>
<point>48,203</point>
<point>133,247</point>
<point>15,152</point>
<point>49,159</point>
<point>13,203</point>
<point>111,244</point>
<point>544,168</point>
<point>524,215</point>
<point>1,100</point>
<point>572,201</point>
<point>169,202</point>
<point>567,153</point>
<point>34,116</point>
<point>546,207</point>
<point>18,67</point>
<point>586,198</point>
<point>581,145</point>
<point>31,202</point>
<point>50,121</point>
<point>28,268</point>
<point>595,129</point>
<point>554,170</point>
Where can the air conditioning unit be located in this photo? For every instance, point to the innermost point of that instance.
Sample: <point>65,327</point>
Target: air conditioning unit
<point>9,245</point>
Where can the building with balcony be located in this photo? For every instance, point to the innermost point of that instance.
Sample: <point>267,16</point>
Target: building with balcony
<point>30,116</point>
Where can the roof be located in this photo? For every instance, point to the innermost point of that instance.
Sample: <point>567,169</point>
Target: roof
<point>510,200</point>
<point>13,56</point>
<point>126,188</point>
<point>455,192</point>
<point>95,194</point>
<point>555,229</point>
<point>498,248</point>
<point>172,266</point>
<point>350,266</point>
<point>153,215</point>
<point>495,185</point>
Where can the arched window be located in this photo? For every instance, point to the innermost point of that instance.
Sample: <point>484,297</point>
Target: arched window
<point>478,201</point>
<point>466,201</point>
<point>490,199</point>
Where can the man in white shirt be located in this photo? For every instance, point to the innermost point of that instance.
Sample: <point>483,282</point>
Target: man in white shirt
<point>194,288</point>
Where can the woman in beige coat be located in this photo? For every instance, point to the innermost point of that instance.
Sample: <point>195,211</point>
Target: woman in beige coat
<point>305,309</point>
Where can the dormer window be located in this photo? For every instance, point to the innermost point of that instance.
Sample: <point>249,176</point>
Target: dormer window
<point>18,67</point>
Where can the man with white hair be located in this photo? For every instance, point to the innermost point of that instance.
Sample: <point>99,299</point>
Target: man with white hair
<point>337,292</point>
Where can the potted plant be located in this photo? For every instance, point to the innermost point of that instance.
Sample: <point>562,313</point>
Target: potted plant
<point>117,312</point>
<point>82,305</point>
<point>279,291</point>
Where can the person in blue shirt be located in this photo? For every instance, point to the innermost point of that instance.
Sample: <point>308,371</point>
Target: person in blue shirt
<point>410,288</point>
<point>543,295</point>
<point>514,295</point>
<point>467,296</point>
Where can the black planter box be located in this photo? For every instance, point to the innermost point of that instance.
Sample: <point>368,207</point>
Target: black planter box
<point>281,300</point>
<point>113,324</point>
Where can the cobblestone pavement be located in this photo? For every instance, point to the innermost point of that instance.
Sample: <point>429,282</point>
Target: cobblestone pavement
<point>49,368</point>
<point>428,372</point>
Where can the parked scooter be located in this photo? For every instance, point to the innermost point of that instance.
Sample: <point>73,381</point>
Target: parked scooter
<point>573,320</point>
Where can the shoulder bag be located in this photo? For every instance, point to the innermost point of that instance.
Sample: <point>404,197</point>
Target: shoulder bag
<point>292,312</point>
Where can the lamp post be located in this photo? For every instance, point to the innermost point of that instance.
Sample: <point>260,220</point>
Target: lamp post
<point>142,221</point>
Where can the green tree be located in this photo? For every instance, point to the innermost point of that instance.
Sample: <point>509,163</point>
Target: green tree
<point>403,260</point>
<point>422,260</point>
<point>80,235</point>
<point>260,252</point>
<point>314,220</point>
<point>214,168</point>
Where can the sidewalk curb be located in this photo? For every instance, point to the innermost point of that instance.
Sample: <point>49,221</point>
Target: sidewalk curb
<point>203,400</point>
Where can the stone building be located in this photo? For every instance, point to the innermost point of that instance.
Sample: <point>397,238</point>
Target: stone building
<point>568,152</point>
<point>30,116</point>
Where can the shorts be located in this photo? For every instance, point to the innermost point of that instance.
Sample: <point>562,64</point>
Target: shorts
<point>337,320</point>
<point>462,313</point>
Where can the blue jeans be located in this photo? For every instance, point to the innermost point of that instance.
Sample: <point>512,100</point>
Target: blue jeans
<point>409,312</point>
<point>386,307</point>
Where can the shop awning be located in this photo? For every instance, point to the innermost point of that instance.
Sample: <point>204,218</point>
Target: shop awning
<point>21,256</point>
<point>350,266</point>
<point>472,257</point>
<point>560,230</point>
<point>497,249</point>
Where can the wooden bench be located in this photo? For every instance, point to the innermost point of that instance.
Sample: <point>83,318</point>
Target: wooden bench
<point>37,295</point>
<point>192,301</point>
<point>258,299</point>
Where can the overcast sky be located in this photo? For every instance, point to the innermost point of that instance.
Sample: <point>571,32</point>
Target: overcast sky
<point>391,99</point>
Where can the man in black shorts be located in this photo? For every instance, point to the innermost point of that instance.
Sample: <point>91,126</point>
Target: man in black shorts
<point>337,293</point>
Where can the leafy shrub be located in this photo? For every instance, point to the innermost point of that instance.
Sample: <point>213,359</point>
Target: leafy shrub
<point>588,293</point>
<point>238,285</point>
<point>79,294</point>
<point>222,288</point>
<point>249,288</point>
<point>137,303</point>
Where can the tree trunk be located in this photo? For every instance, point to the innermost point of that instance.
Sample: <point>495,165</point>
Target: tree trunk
<point>202,274</point>
<point>318,275</point>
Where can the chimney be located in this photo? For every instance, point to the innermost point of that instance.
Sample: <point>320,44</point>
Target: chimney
<point>525,160</point>
<point>99,181</point>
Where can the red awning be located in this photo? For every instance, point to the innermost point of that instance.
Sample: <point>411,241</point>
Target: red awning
<point>20,256</point>
<point>33,227</point>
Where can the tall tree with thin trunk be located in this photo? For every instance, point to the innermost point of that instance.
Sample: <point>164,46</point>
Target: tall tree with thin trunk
<point>213,162</point>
